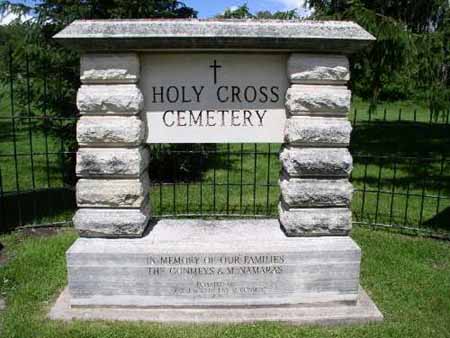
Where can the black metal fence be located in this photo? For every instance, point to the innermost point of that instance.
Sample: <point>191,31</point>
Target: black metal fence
<point>401,166</point>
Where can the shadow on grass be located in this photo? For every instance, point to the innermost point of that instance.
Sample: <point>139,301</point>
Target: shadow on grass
<point>440,221</point>
<point>419,150</point>
<point>184,162</point>
<point>40,207</point>
<point>409,138</point>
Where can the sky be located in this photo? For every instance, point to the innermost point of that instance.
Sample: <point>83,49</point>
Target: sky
<point>210,8</point>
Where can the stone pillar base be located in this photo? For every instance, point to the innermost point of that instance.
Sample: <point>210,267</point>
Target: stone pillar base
<point>364,311</point>
<point>253,272</point>
<point>191,263</point>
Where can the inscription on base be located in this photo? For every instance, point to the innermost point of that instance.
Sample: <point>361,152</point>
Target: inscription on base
<point>214,266</point>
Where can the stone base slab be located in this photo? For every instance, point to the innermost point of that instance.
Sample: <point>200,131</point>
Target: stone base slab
<point>365,311</point>
<point>188,263</point>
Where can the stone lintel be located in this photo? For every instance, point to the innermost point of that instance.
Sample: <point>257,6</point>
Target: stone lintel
<point>340,37</point>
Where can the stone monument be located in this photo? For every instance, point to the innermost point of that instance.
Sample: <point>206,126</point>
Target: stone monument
<point>193,81</point>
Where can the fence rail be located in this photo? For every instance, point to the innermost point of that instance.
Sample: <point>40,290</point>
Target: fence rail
<point>401,166</point>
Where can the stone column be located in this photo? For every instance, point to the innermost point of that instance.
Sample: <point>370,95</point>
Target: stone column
<point>112,192</point>
<point>315,191</point>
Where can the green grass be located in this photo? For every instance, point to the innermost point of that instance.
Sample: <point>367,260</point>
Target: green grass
<point>407,110</point>
<point>407,277</point>
<point>408,192</point>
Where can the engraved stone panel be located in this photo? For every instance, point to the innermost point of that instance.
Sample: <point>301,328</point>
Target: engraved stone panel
<point>315,221</point>
<point>110,131</point>
<point>318,69</point>
<point>111,222</point>
<point>112,162</point>
<point>110,99</point>
<point>318,131</point>
<point>109,68</point>
<point>318,100</point>
<point>214,97</point>
<point>213,263</point>
<point>316,192</point>
<point>316,162</point>
<point>99,193</point>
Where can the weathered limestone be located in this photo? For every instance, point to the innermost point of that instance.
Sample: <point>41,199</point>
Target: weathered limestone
<point>110,99</point>
<point>204,270</point>
<point>181,262</point>
<point>113,193</point>
<point>111,223</point>
<point>318,69</point>
<point>312,193</point>
<point>315,191</point>
<point>363,312</point>
<point>109,68</point>
<point>315,221</point>
<point>125,35</point>
<point>318,131</point>
<point>112,162</point>
<point>318,100</point>
<point>316,162</point>
<point>110,131</point>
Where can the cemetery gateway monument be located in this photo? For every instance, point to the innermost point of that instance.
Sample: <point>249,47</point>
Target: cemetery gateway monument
<point>191,81</point>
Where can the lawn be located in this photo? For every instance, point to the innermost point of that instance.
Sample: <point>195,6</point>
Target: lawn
<point>401,173</point>
<point>407,277</point>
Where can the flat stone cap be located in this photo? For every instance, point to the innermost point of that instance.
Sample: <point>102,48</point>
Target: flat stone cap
<point>341,37</point>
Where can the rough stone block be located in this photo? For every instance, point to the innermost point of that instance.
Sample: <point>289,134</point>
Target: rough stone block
<point>112,162</point>
<point>116,193</point>
<point>109,68</point>
<point>111,223</point>
<point>194,263</point>
<point>318,69</point>
<point>111,131</point>
<point>318,100</point>
<point>316,162</point>
<point>311,193</point>
<point>318,131</point>
<point>110,99</point>
<point>315,221</point>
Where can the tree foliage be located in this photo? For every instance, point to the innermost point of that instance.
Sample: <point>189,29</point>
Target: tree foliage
<point>44,75</point>
<point>412,53</point>
<point>411,57</point>
<point>243,12</point>
<point>32,40</point>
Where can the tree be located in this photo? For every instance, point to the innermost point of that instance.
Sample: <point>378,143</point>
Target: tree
<point>29,52</point>
<point>411,55</point>
<point>243,12</point>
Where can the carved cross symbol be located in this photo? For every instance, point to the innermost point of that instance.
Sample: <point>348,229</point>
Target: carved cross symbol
<point>215,66</point>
